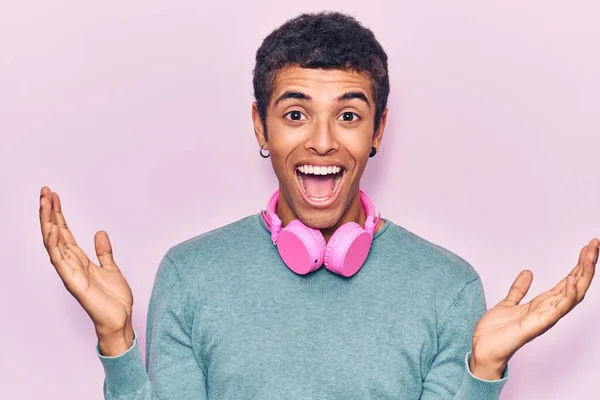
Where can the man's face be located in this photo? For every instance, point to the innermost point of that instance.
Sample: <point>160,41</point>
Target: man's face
<point>320,133</point>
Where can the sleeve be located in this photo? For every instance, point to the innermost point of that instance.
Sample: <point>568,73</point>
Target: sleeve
<point>449,376</point>
<point>171,371</point>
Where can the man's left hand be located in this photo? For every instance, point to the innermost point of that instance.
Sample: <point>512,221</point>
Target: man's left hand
<point>508,326</point>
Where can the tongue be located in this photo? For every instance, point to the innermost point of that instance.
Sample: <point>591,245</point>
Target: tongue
<point>319,185</point>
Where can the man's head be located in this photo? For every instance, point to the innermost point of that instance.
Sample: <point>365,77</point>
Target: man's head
<point>321,87</point>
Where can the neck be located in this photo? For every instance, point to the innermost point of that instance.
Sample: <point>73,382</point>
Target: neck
<point>353,213</point>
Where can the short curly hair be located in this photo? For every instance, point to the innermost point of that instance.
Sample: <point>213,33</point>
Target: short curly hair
<point>325,40</point>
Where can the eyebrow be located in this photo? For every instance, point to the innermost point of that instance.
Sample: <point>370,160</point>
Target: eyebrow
<point>354,95</point>
<point>302,96</point>
<point>292,95</point>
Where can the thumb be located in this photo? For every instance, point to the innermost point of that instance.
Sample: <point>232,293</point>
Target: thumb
<point>519,288</point>
<point>104,251</point>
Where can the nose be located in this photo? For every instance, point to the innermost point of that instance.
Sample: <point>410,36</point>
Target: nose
<point>322,139</point>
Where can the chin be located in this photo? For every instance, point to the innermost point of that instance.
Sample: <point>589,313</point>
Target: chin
<point>319,224</point>
<point>319,218</point>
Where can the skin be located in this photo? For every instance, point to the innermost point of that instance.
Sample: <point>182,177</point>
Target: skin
<point>319,135</point>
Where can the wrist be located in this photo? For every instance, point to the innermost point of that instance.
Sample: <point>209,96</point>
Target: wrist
<point>486,369</point>
<point>116,343</point>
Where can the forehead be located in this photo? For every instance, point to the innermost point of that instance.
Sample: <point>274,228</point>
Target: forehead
<point>321,83</point>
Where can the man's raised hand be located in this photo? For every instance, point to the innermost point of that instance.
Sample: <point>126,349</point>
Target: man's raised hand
<point>101,289</point>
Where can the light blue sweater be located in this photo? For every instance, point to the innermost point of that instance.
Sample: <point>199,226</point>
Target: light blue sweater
<point>228,320</point>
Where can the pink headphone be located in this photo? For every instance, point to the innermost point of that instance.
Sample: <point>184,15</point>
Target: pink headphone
<point>304,250</point>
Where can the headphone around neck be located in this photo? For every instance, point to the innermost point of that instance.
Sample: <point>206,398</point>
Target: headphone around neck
<point>304,250</point>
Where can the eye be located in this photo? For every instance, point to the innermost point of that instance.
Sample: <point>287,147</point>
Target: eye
<point>349,117</point>
<point>295,116</point>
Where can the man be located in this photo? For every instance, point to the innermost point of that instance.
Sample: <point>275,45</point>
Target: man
<point>244,311</point>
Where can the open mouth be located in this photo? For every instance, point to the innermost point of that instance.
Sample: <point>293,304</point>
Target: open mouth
<point>320,184</point>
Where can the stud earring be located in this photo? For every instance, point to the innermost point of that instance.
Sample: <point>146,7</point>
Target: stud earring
<point>373,152</point>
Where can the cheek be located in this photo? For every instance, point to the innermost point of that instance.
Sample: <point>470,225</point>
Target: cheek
<point>282,141</point>
<point>358,146</point>
<point>280,149</point>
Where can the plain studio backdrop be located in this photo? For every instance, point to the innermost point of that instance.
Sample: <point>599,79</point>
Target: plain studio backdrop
<point>138,114</point>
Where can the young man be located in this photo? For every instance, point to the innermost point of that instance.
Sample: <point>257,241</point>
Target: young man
<point>244,312</point>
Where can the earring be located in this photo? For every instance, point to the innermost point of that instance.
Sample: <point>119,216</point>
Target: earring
<point>373,152</point>
<point>261,151</point>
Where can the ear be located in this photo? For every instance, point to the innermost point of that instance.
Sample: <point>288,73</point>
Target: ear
<point>378,135</point>
<point>259,129</point>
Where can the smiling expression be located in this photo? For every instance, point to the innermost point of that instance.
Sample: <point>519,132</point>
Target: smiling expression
<point>319,135</point>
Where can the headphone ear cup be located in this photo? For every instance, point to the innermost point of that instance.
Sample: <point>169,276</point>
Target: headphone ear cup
<point>301,247</point>
<point>347,249</point>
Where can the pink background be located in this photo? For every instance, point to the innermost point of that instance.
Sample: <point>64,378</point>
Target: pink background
<point>138,114</point>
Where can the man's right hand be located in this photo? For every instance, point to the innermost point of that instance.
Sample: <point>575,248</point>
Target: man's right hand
<point>101,290</point>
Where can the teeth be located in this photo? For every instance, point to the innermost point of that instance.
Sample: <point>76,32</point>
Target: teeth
<point>319,170</point>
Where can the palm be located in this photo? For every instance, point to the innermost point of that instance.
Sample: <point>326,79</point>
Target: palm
<point>101,289</point>
<point>103,292</point>
<point>509,325</point>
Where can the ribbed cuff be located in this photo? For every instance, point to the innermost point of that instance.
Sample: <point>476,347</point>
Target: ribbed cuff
<point>473,387</point>
<point>126,372</point>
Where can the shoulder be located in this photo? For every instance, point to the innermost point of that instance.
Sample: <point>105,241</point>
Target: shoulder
<point>209,260</point>
<point>213,244</point>
<point>436,270</point>
<point>428,257</point>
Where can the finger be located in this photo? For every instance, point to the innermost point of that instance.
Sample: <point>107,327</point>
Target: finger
<point>519,288</point>
<point>65,235</point>
<point>48,221</point>
<point>584,281</point>
<point>575,272</point>
<point>45,217</point>
<point>66,238</point>
<point>104,251</point>
<point>80,254</point>
<point>74,256</point>
<point>52,213</point>
<point>569,300</point>
<point>595,248</point>
<point>57,257</point>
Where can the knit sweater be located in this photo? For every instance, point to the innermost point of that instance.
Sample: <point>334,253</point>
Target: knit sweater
<point>228,320</point>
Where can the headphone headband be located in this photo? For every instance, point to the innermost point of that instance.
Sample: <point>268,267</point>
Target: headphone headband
<point>270,218</point>
<point>273,223</point>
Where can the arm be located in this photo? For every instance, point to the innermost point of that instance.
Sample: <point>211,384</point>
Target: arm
<point>449,376</point>
<point>504,329</point>
<point>173,372</point>
<point>103,292</point>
